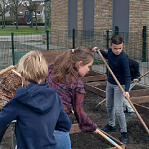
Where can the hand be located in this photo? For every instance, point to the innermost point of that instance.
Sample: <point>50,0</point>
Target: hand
<point>135,80</point>
<point>95,49</point>
<point>126,95</point>
<point>96,131</point>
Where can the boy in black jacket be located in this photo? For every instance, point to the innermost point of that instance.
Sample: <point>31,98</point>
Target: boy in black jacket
<point>134,71</point>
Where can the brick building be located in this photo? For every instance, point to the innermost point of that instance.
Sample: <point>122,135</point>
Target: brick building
<point>101,15</point>
<point>138,14</point>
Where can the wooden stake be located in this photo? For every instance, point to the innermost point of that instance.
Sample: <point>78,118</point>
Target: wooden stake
<point>18,74</point>
<point>123,92</point>
<point>6,69</point>
<point>100,102</point>
<point>72,111</point>
<point>108,139</point>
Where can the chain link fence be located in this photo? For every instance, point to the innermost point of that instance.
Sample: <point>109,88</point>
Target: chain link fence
<point>16,45</point>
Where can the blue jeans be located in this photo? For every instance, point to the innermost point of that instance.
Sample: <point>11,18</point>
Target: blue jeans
<point>62,139</point>
<point>114,104</point>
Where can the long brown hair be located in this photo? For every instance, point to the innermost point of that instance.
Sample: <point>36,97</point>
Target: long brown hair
<point>64,68</point>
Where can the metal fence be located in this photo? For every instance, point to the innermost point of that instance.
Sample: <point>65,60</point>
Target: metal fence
<point>12,48</point>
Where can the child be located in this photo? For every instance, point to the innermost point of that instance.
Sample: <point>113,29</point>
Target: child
<point>134,71</point>
<point>119,64</point>
<point>36,107</point>
<point>64,78</point>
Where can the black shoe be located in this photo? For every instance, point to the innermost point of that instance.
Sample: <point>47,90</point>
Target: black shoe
<point>125,112</point>
<point>130,115</point>
<point>109,128</point>
<point>124,137</point>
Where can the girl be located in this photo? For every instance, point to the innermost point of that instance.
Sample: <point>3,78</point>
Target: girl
<point>63,76</point>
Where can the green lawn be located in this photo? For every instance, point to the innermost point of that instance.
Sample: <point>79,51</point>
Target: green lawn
<point>21,29</point>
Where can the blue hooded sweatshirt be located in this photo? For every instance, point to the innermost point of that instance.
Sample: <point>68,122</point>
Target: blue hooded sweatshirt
<point>38,111</point>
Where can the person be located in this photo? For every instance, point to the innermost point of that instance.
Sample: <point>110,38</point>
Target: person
<point>36,107</point>
<point>119,64</point>
<point>134,72</point>
<point>64,76</point>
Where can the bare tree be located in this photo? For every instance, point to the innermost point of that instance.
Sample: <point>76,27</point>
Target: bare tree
<point>32,7</point>
<point>3,9</point>
<point>14,5</point>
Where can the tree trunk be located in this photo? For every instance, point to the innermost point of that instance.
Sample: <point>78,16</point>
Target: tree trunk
<point>2,20</point>
<point>31,19</point>
<point>16,20</point>
<point>4,17</point>
<point>36,18</point>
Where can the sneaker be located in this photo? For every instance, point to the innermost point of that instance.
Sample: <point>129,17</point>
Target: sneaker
<point>124,137</point>
<point>109,128</point>
<point>130,115</point>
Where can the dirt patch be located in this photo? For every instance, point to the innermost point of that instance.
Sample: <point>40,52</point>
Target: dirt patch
<point>138,136</point>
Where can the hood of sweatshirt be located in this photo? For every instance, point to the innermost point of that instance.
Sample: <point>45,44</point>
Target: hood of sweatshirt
<point>39,97</point>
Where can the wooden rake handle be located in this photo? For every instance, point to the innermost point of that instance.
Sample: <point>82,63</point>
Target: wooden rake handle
<point>18,74</point>
<point>124,92</point>
<point>131,83</point>
<point>100,102</point>
<point>141,76</point>
<point>108,139</point>
<point>6,69</point>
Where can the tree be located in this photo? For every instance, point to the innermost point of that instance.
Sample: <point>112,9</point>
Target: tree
<point>14,5</point>
<point>32,7</point>
<point>4,5</point>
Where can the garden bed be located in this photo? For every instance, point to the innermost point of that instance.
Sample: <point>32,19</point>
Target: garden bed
<point>139,138</point>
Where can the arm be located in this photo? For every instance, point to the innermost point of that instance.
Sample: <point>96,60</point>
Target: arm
<point>85,124</point>
<point>9,113</point>
<point>105,54</point>
<point>136,73</point>
<point>64,122</point>
<point>134,70</point>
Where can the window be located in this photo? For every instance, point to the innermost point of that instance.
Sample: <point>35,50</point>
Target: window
<point>72,16</point>
<point>88,18</point>
<point>121,18</point>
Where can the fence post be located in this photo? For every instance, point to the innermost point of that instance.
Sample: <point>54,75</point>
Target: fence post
<point>73,38</point>
<point>144,44</point>
<point>12,43</point>
<point>116,30</point>
<point>47,32</point>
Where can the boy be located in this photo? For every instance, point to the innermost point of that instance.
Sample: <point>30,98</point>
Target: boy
<point>119,64</point>
<point>134,71</point>
<point>36,107</point>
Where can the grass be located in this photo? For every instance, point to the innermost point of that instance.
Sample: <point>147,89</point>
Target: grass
<point>21,29</point>
<point>97,62</point>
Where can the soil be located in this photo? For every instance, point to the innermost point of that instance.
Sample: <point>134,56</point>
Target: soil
<point>138,136</point>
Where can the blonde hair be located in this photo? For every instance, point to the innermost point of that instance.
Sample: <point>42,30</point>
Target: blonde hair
<point>64,69</point>
<point>34,67</point>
